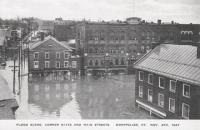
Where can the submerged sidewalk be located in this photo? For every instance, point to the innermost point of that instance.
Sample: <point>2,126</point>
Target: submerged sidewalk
<point>8,104</point>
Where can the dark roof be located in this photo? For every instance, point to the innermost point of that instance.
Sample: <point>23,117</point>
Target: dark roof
<point>178,62</point>
<point>49,39</point>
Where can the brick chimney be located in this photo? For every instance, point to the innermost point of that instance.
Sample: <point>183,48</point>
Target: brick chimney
<point>159,21</point>
<point>42,36</point>
<point>198,50</point>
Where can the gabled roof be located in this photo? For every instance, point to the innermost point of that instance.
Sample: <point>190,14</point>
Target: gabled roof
<point>178,62</point>
<point>49,39</point>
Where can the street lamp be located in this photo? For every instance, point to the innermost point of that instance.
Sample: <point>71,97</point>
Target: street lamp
<point>127,59</point>
<point>85,54</point>
<point>85,63</point>
<point>106,60</point>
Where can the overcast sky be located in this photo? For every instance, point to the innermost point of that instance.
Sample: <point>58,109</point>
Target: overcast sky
<point>182,11</point>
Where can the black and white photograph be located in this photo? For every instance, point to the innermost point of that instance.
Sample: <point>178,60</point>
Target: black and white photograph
<point>100,60</point>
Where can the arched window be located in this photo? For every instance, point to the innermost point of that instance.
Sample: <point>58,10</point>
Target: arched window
<point>122,35</point>
<point>102,35</point>
<point>96,50</point>
<point>112,36</point>
<point>102,62</point>
<point>90,63</point>
<point>148,35</point>
<point>122,61</point>
<point>96,63</point>
<point>111,63</point>
<point>116,61</point>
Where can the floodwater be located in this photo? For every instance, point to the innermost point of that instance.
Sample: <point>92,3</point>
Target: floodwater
<point>80,98</point>
<point>88,98</point>
<point>75,97</point>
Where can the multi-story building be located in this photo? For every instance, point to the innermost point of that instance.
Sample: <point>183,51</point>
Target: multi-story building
<point>4,37</point>
<point>51,56</point>
<point>115,46</point>
<point>168,81</point>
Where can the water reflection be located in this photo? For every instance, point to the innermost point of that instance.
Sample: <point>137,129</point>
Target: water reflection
<point>88,98</point>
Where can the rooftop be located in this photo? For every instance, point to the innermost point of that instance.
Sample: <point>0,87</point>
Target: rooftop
<point>178,62</point>
<point>49,39</point>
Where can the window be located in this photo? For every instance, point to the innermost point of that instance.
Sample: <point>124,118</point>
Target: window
<point>57,64</point>
<point>66,64</point>
<point>36,64</point>
<point>160,100</point>
<point>66,55</point>
<point>172,86</point>
<point>58,55</point>
<point>46,64</point>
<point>116,61</point>
<point>141,75</point>
<point>150,78</point>
<point>161,82</point>
<point>185,110</point>
<point>36,55</point>
<point>186,90</point>
<point>46,55</point>
<point>90,63</point>
<point>102,62</point>
<point>141,91</point>
<point>74,64</point>
<point>172,105</point>
<point>96,63</point>
<point>111,63</point>
<point>150,95</point>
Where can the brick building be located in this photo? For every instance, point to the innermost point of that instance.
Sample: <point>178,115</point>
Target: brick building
<point>125,42</point>
<point>65,30</point>
<point>168,82</point>
<point>5,35</point>
<point>51,56</point>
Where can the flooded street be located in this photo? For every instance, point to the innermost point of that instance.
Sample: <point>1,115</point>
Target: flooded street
<point>75,97</point>
<point>88,98</point>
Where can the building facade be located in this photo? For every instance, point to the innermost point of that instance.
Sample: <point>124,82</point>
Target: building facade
<point>118,45</point>
<point>167,82</point>
<point>51,56</point>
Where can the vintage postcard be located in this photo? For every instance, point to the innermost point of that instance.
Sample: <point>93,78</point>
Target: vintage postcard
<point>99,64</point>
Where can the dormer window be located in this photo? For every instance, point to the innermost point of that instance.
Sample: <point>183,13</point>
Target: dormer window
<point>49,45</point>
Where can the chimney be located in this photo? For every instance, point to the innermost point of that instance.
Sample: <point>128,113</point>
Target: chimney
<point>42,36</point>
<point>154,45</point>
<point>159,21</point>
<point>198,50</point>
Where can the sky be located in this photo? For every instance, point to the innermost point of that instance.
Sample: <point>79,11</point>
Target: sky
<point>181,11</point>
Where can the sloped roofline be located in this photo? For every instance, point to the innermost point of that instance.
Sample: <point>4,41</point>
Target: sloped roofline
<point>180,78</point>
<point>46,39</point>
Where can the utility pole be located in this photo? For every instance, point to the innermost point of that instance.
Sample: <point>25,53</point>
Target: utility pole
<point>14,69</point>
<point>14,77</point>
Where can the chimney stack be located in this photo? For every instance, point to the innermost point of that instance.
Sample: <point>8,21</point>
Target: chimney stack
<point>159,21</point>
<point>154,44</point>
<point>41,36</point>
<point>198,50</point>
